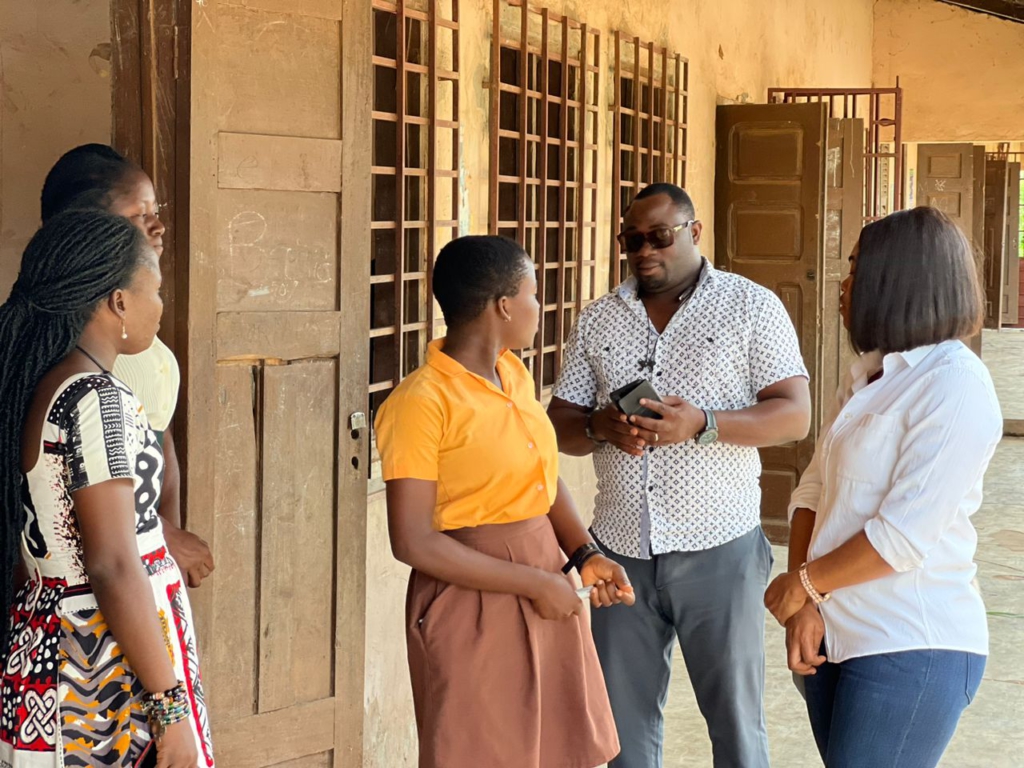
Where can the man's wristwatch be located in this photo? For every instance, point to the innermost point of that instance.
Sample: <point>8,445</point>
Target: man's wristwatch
<point>590,429</point>
<point>708,435</point>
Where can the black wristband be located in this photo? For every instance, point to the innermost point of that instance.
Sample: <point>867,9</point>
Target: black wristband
<point>580,556</point>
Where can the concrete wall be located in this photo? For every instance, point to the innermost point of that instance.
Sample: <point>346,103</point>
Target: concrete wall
<point>737,50</point>
<point>962,72</point>
<point>55,80</point>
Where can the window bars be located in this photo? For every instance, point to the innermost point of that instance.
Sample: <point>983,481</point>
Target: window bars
<point>543,158</point>
<point>882,111</point>
<point>415,188</point>
<point>650,127</point>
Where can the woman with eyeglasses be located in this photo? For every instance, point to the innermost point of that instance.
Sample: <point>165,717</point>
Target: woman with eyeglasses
<point>882,612</point>
<point>95,176</point>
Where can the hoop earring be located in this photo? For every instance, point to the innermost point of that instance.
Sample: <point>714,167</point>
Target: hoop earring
<point>124,331</point>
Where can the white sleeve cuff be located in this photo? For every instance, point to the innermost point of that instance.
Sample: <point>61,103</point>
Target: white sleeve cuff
<point>892,546</point>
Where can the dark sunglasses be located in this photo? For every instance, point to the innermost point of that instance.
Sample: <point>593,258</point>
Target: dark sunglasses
<point>662,237</point>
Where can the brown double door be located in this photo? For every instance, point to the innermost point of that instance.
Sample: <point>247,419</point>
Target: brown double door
<point>788,207</point>
<point>981,193</point>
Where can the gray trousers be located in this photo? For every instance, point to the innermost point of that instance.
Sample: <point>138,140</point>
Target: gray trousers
<point>713,601</point>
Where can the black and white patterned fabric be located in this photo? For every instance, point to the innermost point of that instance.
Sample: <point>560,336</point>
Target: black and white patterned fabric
<point>732,339</point>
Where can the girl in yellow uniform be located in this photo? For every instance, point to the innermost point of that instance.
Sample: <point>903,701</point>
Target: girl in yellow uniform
<point>503,666</point>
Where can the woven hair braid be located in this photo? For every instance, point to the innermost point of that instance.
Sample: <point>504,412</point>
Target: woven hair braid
<point>71,265</point>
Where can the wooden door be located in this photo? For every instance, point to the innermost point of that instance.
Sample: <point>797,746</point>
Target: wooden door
<point>769,213</point>
<point>996,172</point>
<point>945,180</point>
<point>844,199</point>
<point>1011,263</point>
<point>277,367</point>
<point>977,234</point>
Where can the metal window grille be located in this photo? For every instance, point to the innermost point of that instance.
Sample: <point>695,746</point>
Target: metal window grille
<point>543,158</point>
<point>882,111</point>
<point>650,116</point>
<point>415,186</point>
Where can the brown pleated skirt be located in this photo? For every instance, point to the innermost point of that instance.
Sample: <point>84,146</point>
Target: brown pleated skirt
<point>494,684</point>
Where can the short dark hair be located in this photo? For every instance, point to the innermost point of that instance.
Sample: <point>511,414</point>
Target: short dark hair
<point>678,195</point>
<point>473,270</point>
<point>84,177</point>
<point>915,283</point>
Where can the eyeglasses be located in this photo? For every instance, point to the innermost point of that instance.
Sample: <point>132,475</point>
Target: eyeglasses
<point>662,237</point>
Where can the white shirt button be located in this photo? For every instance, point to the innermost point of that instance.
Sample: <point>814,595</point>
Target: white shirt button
<point>508,405</point>
<point>530,446</point>
<point>540,487</point>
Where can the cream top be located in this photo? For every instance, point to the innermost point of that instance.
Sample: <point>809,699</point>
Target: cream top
<point>153,376</point>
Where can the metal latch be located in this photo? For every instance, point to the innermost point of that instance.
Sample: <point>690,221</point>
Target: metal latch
<point>357,421</point>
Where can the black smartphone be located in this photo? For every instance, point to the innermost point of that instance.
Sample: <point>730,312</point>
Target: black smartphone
<point>627,399</point>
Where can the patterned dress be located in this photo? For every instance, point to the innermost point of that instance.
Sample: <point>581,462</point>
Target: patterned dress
<point>68,696</point>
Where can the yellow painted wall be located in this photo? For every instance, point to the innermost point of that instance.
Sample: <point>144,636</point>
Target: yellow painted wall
<point>55,80</point>
<point>962,72</point>
<point>737,50</point>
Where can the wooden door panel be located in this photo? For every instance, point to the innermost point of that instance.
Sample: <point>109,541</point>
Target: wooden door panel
<point>945,180</point>
<point>231,668</point>
<point>279,251</point>
<point>297,542</point>
<point>996,172</point>
<point>844,184</point>
<point>977,233</point>
<point>279,317</point>
<point>768,214</point>
<point>279,72</point>
<point>1011,263</point>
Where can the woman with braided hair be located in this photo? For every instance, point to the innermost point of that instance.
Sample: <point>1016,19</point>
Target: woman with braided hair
<point>98,655</point>
<point>96,176</point>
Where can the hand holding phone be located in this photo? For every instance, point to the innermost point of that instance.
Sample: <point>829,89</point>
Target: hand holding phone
<point>628,398</point>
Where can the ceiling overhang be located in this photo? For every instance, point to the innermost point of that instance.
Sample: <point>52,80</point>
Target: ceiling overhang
<point>1012,10</point>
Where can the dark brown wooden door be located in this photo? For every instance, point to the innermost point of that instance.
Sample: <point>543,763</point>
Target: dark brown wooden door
<point>945,180</point>
<point>1011,264</point>
<point>277,365</point>
<point>779,169</point>
<point>996,172</point>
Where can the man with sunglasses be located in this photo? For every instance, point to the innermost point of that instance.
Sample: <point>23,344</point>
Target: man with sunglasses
<point>678,495</point>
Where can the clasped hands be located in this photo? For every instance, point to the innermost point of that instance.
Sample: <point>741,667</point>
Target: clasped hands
<point>680,421</point>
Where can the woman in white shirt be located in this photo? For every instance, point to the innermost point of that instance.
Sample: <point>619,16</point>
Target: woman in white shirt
<point>881,544</point>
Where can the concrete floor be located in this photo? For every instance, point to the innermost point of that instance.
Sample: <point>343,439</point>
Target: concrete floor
<point>991,733</point>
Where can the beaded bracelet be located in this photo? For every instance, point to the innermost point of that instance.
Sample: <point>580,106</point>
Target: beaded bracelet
<point>167,708</point>
<point>805,580</point>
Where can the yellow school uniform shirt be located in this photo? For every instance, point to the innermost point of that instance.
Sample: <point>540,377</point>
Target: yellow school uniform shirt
<point>492,452</point>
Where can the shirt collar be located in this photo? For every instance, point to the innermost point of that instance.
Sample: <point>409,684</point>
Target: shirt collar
<point>914,356</point>
<point>627,290</point>
<point>870,363</point>
<point>452,367</point>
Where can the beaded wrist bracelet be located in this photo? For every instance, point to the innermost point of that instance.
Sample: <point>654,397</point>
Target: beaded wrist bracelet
<point>166,708</point>
<point>805,580</point>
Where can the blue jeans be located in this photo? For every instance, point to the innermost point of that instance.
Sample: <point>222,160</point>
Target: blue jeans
<point>892,710</point>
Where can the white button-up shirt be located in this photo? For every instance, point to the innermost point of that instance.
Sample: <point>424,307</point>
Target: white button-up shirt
<point>903,461</point>
<point>730,341</point>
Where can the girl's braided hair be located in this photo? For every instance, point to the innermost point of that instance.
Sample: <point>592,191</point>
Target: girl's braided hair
<point>71,265</point>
